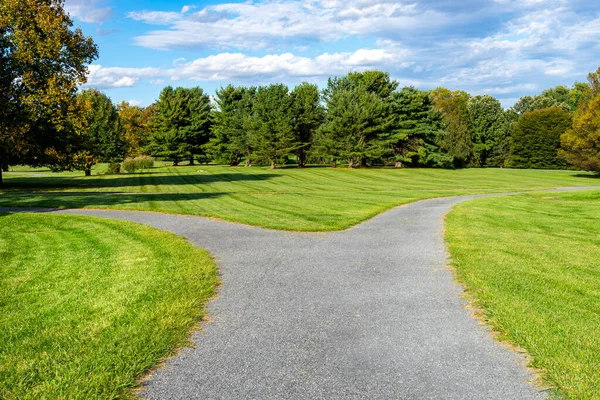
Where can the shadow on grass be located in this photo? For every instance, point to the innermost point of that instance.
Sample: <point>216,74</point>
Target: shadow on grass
<point>116,181</point>
<point>95,199</point>
<point>594,176</point>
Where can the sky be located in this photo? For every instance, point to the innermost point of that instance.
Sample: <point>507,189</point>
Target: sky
<point>505,48</point>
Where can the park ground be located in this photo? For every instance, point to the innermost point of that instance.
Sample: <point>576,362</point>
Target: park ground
<point>528,261</point>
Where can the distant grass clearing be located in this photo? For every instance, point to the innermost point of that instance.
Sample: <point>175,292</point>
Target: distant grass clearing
<point>532,263</point>
<point>87,305</point>
<point>309,199</point>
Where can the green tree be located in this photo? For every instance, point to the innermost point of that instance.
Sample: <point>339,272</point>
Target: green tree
<point>272,125</point>
<point>416,137</point>
<point>42,61</point>
<point>456,141</point>
<point>229,140</point>
<point>536,138</point>
<point>353,129</point>
<point>307,115</point>
<point>101,138</point>
<point>581,143</point>
<point>489,130</point>
<point>181,125</point>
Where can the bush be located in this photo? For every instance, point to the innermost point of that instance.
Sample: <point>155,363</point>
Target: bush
<point>142,162</point>
<point>113,168</point>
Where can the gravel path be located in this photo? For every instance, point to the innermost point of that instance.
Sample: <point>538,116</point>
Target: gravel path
<point>367,313</point>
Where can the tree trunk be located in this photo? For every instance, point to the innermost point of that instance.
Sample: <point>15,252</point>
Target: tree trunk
<point>88,172</point>
<point>0,176</point>
<point>273,165</point>
<point>301,161</point>
<point>334,164</point>
<point>247,162</point>
<point>175,163</point>
<point>363,162</point>
<point>350,164</point>
<point>191,160</point>
<point>398,164</point>
<point>5,167</point>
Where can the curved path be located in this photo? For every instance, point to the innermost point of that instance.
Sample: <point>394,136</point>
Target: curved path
<point>367,313</point>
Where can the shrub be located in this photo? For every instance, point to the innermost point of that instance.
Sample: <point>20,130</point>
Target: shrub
<point>141,162</point>
<point>113,168</point>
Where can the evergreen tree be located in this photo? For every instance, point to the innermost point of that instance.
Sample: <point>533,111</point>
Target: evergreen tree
<point>353,129</point>
<point>307,114</point>
<point>229,141</point>
<point>271,129</point>
<point>181,124</point>
<point>418,130</point>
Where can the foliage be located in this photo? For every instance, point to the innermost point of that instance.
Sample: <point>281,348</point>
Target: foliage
<point>489,130</point>
<point>89,305</point>
<point>536,138</point>
<point>456,140</point>
<point>581,143</point>
<point>307,115</point>
<point>42,61</point>
<point>181,124</point>
<point>229,140</point>
<point>272,126</point>
<point>102,135</point>
<point>417,130</point>
<point>135,122</point>
<point>113,168</point>
<point>141,162</point>
<point>353,129</point>
<point>530,262</point>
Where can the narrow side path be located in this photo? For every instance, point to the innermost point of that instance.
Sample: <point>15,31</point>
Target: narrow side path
<point>367,313</point>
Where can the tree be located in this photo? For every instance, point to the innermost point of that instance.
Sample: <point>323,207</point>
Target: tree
<point>417,132</point>
<point>456,140</point>
<point>536,139</point>
<point>229,140</point>
<point>352,131</point>
<point>489,130</point>
<point>272,126</point>
<point>581,143</point>
<point>307,115</point>
<point>135,122</point>
<point>181,124</point>
<point>101,138</point>
<point>42,63</point>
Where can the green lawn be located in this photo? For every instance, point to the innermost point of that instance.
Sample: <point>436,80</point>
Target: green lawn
<point>532,264</point>
<point>310,199</point>
<point>88,305</point>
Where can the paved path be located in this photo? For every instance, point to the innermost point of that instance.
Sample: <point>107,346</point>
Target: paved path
<point>367,313</point>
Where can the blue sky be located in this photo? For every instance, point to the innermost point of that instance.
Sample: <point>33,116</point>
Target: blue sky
<point>505,48</point>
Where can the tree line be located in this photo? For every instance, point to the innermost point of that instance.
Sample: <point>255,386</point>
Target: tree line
<point>361,119</point>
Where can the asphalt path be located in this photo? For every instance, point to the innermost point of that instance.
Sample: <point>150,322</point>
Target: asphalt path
<point>372,312</point>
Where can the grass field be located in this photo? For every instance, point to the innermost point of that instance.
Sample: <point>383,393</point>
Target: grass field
<point>532,264</point>
<point>87,305</point>
<point>310,199</point>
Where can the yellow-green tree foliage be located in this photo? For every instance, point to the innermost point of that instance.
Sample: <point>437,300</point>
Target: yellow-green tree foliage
<point>581,143</point>
<point>42,61</point>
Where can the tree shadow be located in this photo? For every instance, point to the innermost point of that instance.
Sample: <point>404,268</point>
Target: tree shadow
<point>60,200</point>
<point>135,180</point>
<point>595,176</point>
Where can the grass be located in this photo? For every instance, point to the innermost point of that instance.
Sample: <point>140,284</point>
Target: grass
<point>311,199</point>
<point>532,264</point>
<point>88,305</point>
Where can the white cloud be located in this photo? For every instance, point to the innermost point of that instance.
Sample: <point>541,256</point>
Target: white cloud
<point>266,24</point>
<point>238,66</point>
<point>135,103</point>
<point>94,11</point>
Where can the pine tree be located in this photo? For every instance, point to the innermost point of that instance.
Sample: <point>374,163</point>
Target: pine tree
<point>307,114</point>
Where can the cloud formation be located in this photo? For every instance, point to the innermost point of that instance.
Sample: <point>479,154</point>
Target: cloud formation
<point>94,11</point>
